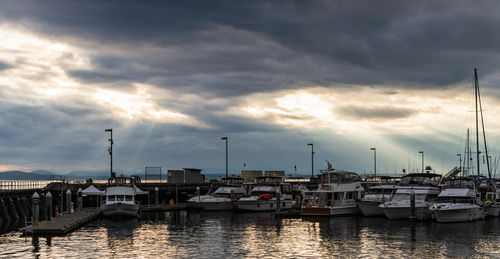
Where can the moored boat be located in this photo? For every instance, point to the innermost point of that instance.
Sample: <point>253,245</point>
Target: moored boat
<point>266,195</point>
<point>224,197</point>
<point>459,201</point>
<point>376,195</point>
<point>336,195</point>
<point>120,198</point>
<point>423,187</point>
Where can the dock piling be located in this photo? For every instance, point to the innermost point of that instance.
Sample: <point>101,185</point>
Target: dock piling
<point>68,201</point>
<point>79,199</point>
<point>36,209</point>
<point>48,201</point>
<point>157,195</point>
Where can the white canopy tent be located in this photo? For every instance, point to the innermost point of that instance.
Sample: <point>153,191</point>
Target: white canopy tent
<point>91,190</point>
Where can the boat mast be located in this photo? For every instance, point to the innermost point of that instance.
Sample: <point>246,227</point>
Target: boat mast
<point>482,125</point>
<point>477,121</point>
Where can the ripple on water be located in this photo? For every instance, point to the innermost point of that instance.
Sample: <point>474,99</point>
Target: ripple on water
<point>260,235</point>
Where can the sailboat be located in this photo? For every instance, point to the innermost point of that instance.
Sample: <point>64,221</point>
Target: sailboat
<point>490,194</point>
<point>462,199</point>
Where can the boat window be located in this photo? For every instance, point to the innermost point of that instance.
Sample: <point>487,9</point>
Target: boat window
<point>119,198</point>
<point>111,198</point>
<point>355,195</point>
<point>128,197</point>
<point>336,196</point>
<point>284,205</point>
<point>349,196</point>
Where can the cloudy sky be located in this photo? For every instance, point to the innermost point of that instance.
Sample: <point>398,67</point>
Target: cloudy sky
<point>172,78</point>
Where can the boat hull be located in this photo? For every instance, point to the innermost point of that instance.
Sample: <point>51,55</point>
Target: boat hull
<point>263,205</point>
<point>421,213</point>
<point>370,208</point>
<point>217,206</point>
<point>120,210</point>
<point>458,215</point>
<point>492,210</point>
<point>329,211</point>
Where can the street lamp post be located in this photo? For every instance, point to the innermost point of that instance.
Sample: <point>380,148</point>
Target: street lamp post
<point>110,150</point>
<point>374,160</point>
<point>225,138</point>
<point>312,159</point>
<point>422,152</point>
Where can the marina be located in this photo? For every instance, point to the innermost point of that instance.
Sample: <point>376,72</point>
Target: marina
<point>250,129</point>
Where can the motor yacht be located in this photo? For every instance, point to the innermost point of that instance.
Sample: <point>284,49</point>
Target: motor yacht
<point>459,201</point>
<point>266,195</point>
<point>423,187</point>
<point>337,194</point>
<point>224,197</point>
<point>120,198</point>
<point>376,195</point>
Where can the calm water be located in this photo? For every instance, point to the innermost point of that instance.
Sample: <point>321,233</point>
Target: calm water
<point>260,235</point>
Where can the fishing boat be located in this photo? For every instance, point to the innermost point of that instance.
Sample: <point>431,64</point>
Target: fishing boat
<point>224,197</point>
<point>459,201</point>
<point>422,187</point>
<point>266,195</point>
<point>120,198</point>
<point>376,195</point>
<point>336,195</point>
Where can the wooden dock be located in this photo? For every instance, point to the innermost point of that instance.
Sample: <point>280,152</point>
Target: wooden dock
<point>64,224</point>
<point>164,207</point>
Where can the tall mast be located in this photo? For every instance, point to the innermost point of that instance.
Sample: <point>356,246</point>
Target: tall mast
<point>484,132</point>
<point>477,121</point>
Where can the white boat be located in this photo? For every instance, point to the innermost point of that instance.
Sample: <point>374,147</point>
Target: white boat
<point>490,193</point>
<point>423,187</point>
<point>459,201</point>
<point>266,195</point>
<point>336,195</point>
<point>376,195</point>
<point>120,198</point>
<point>224,197</point>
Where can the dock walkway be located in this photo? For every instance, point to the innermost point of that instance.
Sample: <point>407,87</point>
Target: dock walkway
<point>65,223</point>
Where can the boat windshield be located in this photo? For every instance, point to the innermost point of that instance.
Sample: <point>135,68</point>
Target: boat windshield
<point>222,195</point>
<point>406,197</point>
<point>380,191</point>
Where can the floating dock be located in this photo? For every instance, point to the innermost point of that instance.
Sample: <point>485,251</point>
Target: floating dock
<point>64,224</point>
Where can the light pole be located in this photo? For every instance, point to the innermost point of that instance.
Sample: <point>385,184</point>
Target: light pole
<point>110,150</point>
<point>312,159</point>
<point>459,161</point>
<point>422,152</point>
<point>225,138</point>
<point>374,161</point>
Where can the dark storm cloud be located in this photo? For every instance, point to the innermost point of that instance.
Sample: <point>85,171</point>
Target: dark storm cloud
<point>236,48</point>
<point>4,66</point>
<point>352,112</point>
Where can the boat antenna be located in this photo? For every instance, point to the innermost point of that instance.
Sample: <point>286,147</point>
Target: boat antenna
<point>482,122</point>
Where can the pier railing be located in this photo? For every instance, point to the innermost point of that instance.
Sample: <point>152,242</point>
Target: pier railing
<point>22,184</point>
<point>39,184</point>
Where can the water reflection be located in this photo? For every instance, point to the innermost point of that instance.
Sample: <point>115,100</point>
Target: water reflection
<point>257,235</point>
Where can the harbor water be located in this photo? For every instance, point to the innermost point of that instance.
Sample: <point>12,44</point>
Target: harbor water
<point>260,235</point>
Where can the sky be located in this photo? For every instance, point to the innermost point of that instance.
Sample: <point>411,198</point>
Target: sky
<point>173,77</point>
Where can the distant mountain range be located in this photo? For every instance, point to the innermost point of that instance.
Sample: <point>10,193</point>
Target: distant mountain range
<point>47,175</point>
